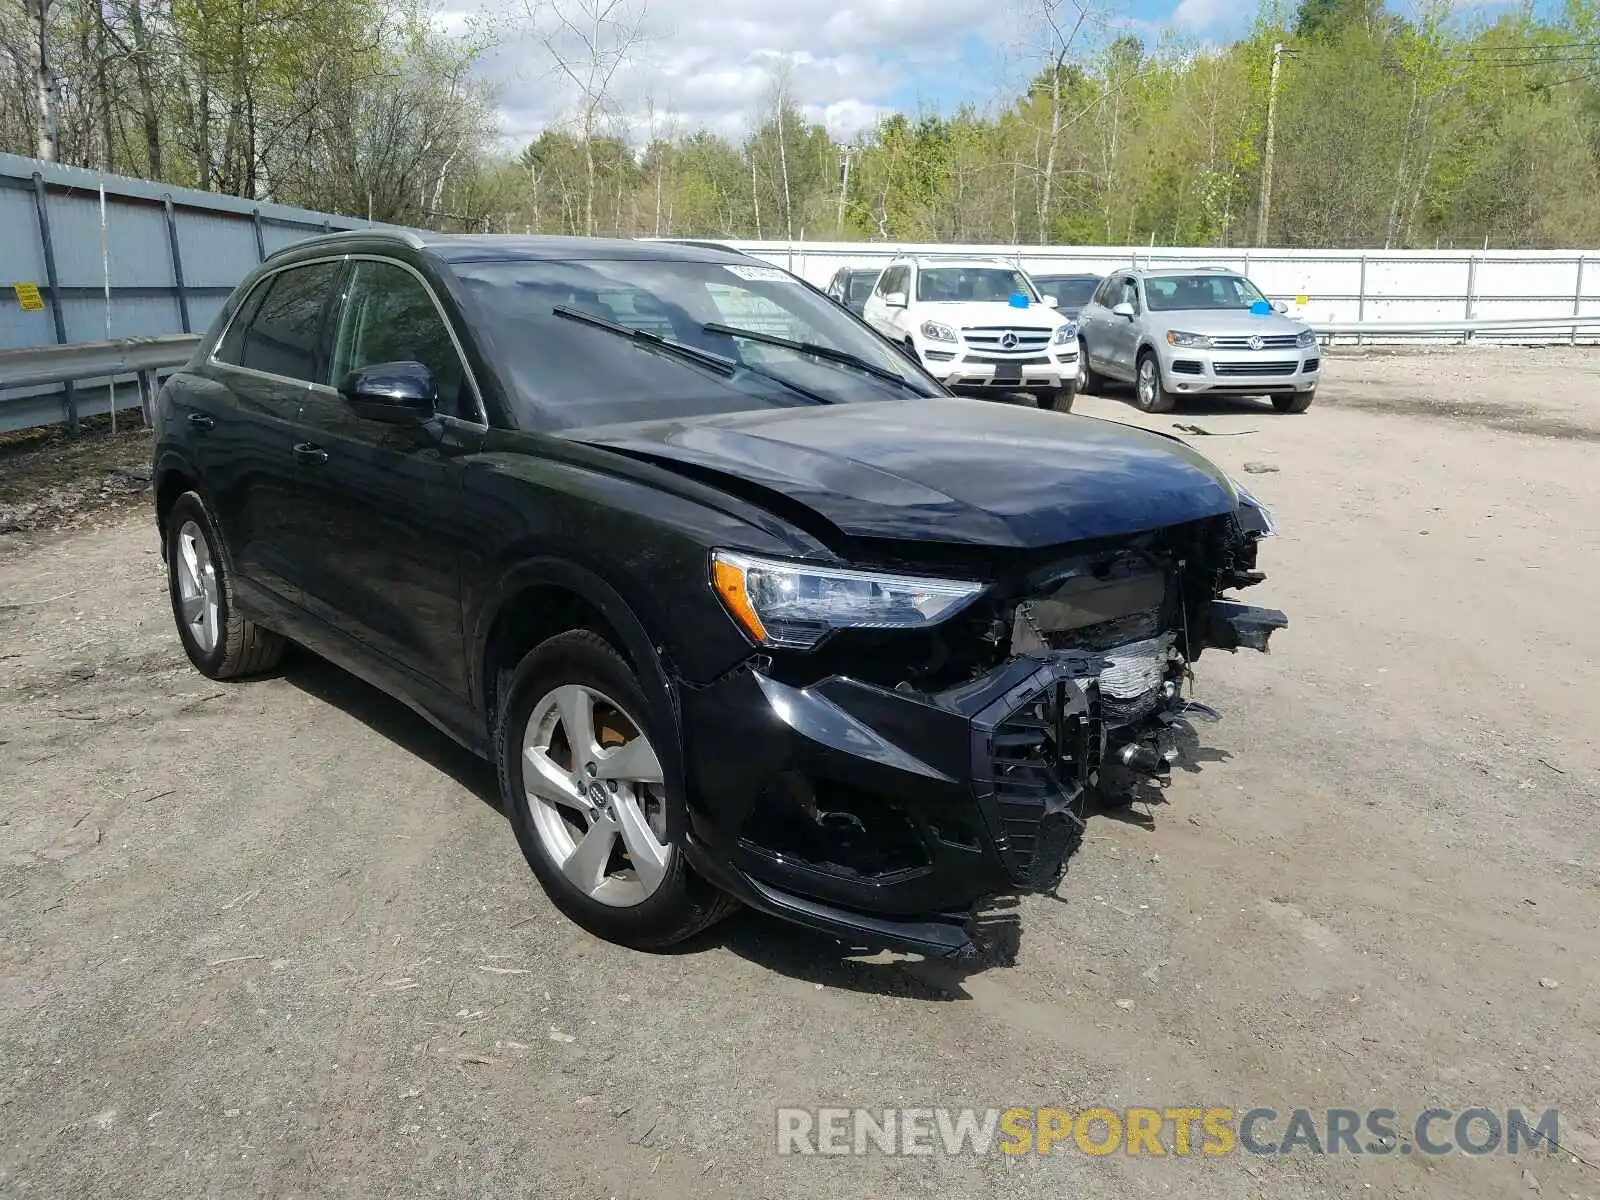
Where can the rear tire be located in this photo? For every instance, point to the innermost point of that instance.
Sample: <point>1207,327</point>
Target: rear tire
<point>1295,402</point>
<point>219,642</point>
<point>649,909</point>
<point>1089,380</point>
<point>1148,392</point>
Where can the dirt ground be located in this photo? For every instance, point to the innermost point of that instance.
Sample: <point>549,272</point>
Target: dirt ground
<point>275,939</point>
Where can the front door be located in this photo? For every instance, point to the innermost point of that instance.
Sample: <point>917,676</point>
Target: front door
<point>382,501</point>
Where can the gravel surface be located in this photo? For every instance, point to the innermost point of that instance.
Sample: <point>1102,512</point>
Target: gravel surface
<point>274,938</point>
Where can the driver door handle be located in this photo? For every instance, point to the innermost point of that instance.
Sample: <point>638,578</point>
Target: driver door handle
<point>200,420</point>
<point>309,454</point>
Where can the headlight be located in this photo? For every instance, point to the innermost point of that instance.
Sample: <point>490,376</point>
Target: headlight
<point>1255,516</point>
<point>791,604</point>
<point>1194,341</point>
<point>1306,340</point>
<point>936,332</point>
<point>1067,332</point>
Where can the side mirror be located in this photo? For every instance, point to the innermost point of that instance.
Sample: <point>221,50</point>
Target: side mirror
<point>1050,301</point>
<point>1278,306</point>
<point>1123,310</point>
<point>397,393</point>
<point>895,299</point>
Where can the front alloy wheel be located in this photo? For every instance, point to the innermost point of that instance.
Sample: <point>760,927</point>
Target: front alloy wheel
<point>589,776</point>
<point>595,792</point>
<point>1152,397</point>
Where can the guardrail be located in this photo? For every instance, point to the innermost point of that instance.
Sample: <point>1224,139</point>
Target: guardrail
<point>1510,327</point>
<point>32,366</point>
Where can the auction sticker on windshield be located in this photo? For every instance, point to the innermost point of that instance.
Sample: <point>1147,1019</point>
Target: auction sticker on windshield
<point>762,274</point>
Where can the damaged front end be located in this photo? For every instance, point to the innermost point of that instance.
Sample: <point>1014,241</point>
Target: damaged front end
<point>910,775</point>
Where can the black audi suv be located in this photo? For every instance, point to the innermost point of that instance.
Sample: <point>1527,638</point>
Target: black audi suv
<point>741,604</point>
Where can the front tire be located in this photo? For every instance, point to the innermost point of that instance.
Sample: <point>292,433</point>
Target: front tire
<point>1148,392</point>
<point>1061,399</point>
<point>588,774</point>
<point>1295,402</point>
<point>219,642</point>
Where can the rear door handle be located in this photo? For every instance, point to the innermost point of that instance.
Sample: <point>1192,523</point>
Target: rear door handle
<point>309,454</point>
<point>202,420</point>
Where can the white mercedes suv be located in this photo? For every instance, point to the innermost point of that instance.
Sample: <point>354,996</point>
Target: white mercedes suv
<point>978,325</point>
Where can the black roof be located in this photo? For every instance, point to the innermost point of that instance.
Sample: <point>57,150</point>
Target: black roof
<point>491,247</point>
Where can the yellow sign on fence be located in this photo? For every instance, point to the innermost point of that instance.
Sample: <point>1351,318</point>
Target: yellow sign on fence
<point>28,297</point>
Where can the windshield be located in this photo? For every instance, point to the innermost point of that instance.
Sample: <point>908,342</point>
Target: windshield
<point>1070,291</point>
<point>972,283</point>
<point>569,374</point>
<point>1167,293</point>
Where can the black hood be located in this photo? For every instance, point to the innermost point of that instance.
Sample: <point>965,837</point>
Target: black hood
<point>945,470</point>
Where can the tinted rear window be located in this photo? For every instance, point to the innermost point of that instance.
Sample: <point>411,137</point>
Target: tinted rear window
<point>285,331</point>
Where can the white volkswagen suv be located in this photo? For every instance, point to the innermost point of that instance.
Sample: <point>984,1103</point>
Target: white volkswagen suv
<point>978,325</point>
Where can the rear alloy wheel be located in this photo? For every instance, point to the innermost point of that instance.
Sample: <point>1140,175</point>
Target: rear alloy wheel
<point>1294,402</point>
<point>1148,392</point>
<point>219,642</point>
<point>588,782</point>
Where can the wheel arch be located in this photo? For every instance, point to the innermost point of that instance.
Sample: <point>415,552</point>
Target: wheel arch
<point>542,597</point>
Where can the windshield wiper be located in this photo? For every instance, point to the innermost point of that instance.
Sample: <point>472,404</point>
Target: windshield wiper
<point>705,358</point>
<point>815,350</point>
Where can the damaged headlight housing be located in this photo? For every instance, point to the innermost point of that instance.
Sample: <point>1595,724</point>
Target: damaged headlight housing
<point>1254,516</point>
<point>795,604</point>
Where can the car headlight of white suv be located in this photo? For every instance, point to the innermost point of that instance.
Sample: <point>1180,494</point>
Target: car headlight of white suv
<point>935,332</point>
<point>1066,332</point>
<point>1192,341</point>
<point>1307,339</point>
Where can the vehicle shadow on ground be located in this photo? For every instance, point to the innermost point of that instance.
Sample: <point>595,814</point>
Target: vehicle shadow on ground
<point>385,715</point>
<point>1200,405</point>
<point>772,944</point>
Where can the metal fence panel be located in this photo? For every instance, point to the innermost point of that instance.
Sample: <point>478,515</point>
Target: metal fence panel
<point>170,256</point>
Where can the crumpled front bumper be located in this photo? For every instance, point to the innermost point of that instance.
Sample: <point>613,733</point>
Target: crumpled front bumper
<point>884,817</point>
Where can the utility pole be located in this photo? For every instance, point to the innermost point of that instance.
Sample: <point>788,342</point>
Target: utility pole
<point>1264,209</point>
<point>844,181</point>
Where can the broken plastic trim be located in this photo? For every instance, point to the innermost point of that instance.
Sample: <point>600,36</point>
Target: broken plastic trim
<point>1234,626</point>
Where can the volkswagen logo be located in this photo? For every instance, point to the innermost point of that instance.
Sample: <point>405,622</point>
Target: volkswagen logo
<point>1008,340</point>
<point>1255,342</point>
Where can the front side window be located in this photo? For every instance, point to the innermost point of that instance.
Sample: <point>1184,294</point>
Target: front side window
<point>538,319</point>
<point>389,316</point>
<point>892,280</point>
<point>1128,292</point>
<point>1170,293</point>
<point>996,284</point>
<point>284,336</point>
<point>861,286</point>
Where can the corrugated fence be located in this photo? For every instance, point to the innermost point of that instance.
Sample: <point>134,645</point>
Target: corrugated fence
<point>148,259</point>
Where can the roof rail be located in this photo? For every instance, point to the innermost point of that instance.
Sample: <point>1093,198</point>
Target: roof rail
<point>407,236</point>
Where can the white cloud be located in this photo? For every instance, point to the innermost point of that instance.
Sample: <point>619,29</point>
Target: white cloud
<point>1201,14</point>
<point>712,65</point>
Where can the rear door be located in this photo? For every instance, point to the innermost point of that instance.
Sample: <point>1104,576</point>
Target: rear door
<point>382,501</point>
<point>1122,333</point>
<point>268,359</point>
